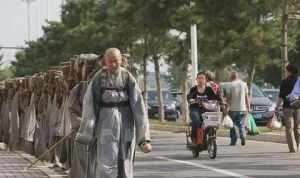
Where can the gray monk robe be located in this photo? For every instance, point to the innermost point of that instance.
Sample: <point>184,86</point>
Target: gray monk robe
<point>52,120</point>
<point>6,120</point>
<point>14,123</point>
<point>41,130</point>
<point>80,154</point>
<point>113,104</point>
<point>23,116</point>
<point>64,130</point>
<point>30,125</point>
<point>1,118</point>
<point>56,117</point>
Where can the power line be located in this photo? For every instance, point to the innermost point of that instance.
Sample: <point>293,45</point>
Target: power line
<point>11,47</point>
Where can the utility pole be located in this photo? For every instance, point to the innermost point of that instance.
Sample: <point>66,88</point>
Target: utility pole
<point>286,16</point>
<point>284,40</point>
<point>28,18</point>
<point>194,52</point>
<point>47,10</point>
<point>194,48</point>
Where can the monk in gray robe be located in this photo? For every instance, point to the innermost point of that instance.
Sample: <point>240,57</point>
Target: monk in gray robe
<point>56,118</point>
<point>14,118</point>
<point>42,126</point>
<point>30,120</point>
<point>23,110</point>
<point>7,112</point>
<point>114,115</point>
<point>66,129</point>
<point>2,95</point>
<point>80,153</point>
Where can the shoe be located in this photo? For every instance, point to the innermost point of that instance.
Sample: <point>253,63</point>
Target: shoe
<point>243,141</point>
<point>232,143</point>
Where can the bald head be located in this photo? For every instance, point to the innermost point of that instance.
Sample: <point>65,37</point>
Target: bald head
<point>234,75</point>
<point>113,53</point>
<point>112,59</point>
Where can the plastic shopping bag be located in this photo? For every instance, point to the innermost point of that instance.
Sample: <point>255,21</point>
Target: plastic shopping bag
<point>251,126</point>
<point>274,123</point>
<point>227,122</point>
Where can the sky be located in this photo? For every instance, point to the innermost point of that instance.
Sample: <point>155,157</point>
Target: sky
<point>14,29</point>
<point>13,19</point>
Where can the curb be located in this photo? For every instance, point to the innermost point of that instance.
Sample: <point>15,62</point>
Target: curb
<point>265,137</point>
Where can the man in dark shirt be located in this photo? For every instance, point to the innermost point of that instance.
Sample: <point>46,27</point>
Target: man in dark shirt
<point>290,115</point>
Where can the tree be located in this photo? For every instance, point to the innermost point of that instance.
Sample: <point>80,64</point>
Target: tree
<point>152,21</point>
<point>87,27</point>
<point>240,34</point>
<point>5,73</point>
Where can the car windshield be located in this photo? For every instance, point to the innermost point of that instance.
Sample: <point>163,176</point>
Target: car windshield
<point>273,93</point>
<point>152,96</point>
<point>256,91</point>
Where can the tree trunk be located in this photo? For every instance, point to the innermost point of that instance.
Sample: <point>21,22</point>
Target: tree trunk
<point>158,88</point>
<point>145,89</point>
<point>184,89</point>
<point>251,74</point>
<point>220,74</point>
<point>284,48</point>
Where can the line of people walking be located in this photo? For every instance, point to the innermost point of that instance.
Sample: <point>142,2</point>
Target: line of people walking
<point>98,108</point>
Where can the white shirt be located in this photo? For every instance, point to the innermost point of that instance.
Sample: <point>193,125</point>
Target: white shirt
<point>237,95</point>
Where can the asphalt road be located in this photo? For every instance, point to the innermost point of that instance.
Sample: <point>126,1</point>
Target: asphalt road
<point>170,158</point>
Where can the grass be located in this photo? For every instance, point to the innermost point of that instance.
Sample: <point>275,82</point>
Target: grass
<point>171,125</point>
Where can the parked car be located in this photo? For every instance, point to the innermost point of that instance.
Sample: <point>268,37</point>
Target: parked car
<point>170,105</point>
<point>262,107</point>
<point>273,95</point>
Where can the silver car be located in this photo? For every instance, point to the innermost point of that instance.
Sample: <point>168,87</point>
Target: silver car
<point>262,107</point>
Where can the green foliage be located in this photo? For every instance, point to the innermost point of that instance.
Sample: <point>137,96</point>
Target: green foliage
<point>6,73</point>
<point>246,33</point>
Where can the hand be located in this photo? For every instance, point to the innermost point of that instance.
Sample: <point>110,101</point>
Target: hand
<point>277,109</point>
<point>192,101</point>
<point>146,147</point>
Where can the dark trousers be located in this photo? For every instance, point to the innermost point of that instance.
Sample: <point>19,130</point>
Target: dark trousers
<point>238,120</point>
<point>196,117</point>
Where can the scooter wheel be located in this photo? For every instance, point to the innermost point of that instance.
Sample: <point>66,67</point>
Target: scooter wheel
<point>212,148</point>
<point>195,153</point>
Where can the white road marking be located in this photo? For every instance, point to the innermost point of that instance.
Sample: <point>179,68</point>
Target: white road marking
<point>198,165</point>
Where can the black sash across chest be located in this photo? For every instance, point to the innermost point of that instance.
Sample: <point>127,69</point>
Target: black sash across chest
<point>114,104</point>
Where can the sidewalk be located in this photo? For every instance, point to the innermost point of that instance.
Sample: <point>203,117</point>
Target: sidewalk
<point>14,164</point>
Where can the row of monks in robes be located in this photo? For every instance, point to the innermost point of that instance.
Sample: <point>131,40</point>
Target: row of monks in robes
<point>40,110</point>
<point>37,111</point>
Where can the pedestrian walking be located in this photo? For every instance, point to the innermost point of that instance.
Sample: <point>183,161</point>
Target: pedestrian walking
<point>290,115</point>
<point>239,106</point>
<point>114,117</point>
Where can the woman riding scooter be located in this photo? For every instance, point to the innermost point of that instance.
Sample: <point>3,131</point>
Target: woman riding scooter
<point>198,95</point>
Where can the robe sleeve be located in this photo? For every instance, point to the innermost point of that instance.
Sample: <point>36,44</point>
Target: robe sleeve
<point>85,134</point>
<point>139,111</point>
<point>74,107</point>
